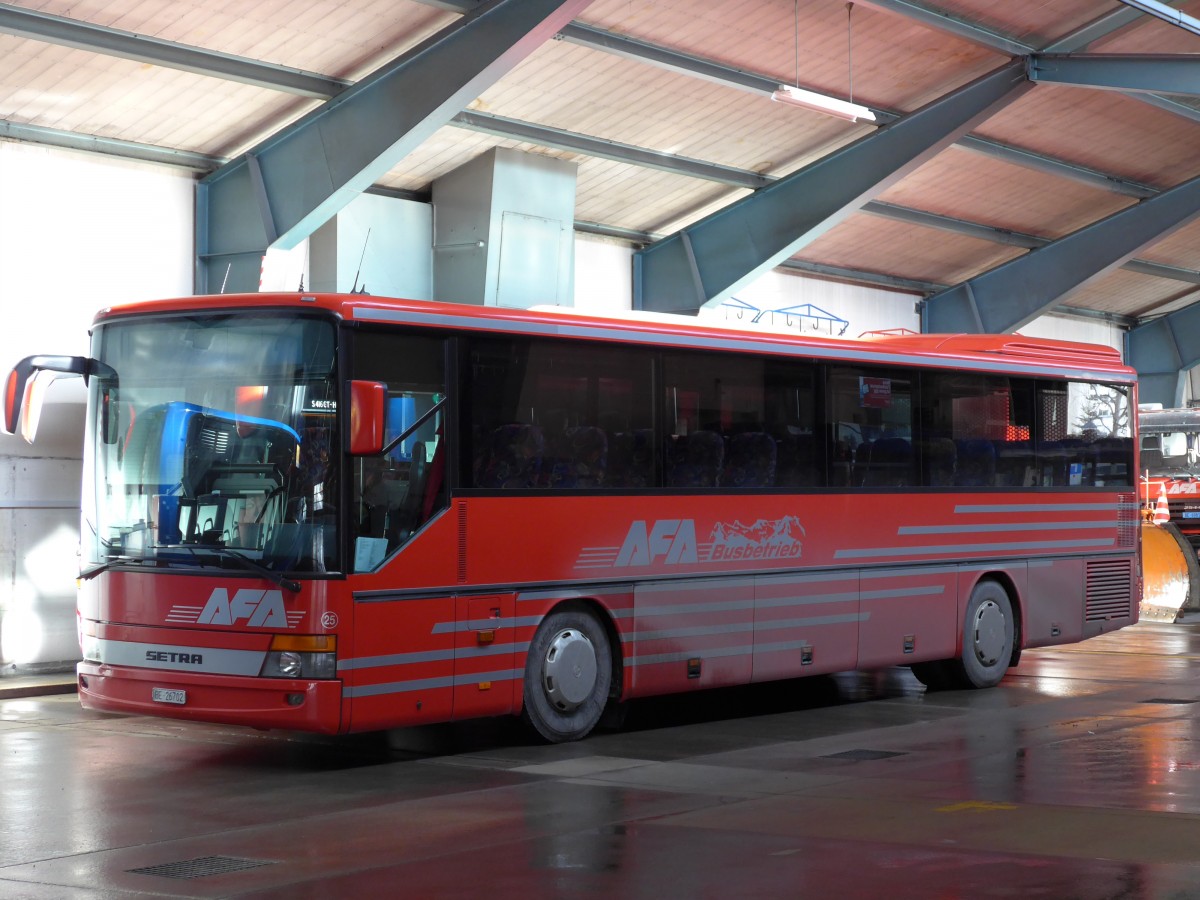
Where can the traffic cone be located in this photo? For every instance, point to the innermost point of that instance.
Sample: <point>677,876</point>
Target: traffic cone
<point>1162,511</point>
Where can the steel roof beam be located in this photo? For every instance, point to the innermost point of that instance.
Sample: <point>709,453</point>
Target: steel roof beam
<point>1119,72</point>
<point>545,136</point>
<point>600,148</point>
<point>284,188</point>
<point>1013,238</point>
<point>71,140</point>
<point>70,32</point>
<point>1163,350</point>
<point>710,259</point>
<point>873,279</point>
<point>41,26</point>
<point>1100,27</point>
<point>28,23</point>
<point>1017,292</point>
<point>951,24</point>
<point>1075,41</point>
<point>729,76</point>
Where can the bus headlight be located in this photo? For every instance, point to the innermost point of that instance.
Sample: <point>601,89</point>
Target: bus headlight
<point>290,664</point>
<point>301,656</point>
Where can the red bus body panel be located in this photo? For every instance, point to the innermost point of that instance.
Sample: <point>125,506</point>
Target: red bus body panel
<point>698,591</point>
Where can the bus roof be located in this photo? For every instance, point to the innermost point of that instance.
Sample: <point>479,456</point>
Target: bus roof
<point>983,352</point>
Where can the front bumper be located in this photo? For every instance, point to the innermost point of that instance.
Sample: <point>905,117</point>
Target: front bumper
<point>297,705</point>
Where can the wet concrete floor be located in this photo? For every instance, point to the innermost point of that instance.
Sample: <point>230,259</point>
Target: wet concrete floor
<point>1078,777</point>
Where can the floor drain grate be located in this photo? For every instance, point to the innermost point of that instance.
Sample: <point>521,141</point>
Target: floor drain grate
<point>1178,701</point>
<point>863,754</point>
<point>204,865</point>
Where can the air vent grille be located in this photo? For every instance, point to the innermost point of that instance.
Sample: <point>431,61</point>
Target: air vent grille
<point>1128,521</point>
<point>214,441</point>
<point>1109,590</point>
<point>460,508</point>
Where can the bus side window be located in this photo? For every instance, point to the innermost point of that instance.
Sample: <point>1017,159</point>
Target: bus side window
<point>873,428</point>
<point>715,422</point>
<point>976,430</point>
<point>548,415</point>
<point>396,492</point>
<point>1084,435</point>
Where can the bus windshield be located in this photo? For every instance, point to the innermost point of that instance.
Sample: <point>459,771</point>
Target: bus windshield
<point>213,438</point>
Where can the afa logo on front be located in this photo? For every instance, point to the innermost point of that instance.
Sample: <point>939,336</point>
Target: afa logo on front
<point>248,606</point>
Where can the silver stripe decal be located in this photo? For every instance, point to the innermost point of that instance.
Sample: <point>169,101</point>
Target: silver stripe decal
<point>892,574</point>
<point>812,621</point>
<point>802,577</point>
<point>781,646</point>
<point>655,658</point>
<point>485,625</point>
<point>763,344</point>
<point>929,590</point>
<point>969,548</point>
<point>696,631</point>
<point>1106,506</point>
<point>213,660</point>
<point>408,659</point>
<point>742,627</point>
<point>430,684</point>
<point>728,606</point>
<point>776,602</point>
<point>707,584</point>
<point>1013,526</point>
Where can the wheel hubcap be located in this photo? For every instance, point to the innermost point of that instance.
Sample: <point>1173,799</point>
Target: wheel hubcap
<point>989,633</point>
<point>569,672</point>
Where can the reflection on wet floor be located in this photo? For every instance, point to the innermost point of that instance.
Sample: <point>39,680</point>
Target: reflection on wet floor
<point>1078,777</point>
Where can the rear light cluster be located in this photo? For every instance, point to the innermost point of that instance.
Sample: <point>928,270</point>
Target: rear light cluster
<point>301,656</point>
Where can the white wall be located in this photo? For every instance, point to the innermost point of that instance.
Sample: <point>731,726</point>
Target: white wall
<point>1088,331</point>
<point>78,232</point>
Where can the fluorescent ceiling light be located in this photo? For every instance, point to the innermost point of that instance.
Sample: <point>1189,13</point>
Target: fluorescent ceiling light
<point>831,106</point>
<point>1166,13</point>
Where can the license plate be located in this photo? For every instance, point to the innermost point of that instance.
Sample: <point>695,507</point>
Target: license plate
<point>1191,515</point>
<point>168,695</point>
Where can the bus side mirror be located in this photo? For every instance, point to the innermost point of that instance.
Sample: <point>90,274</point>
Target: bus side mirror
<point>366,417</point>
<point>14,396</point>
<point>24,390</point>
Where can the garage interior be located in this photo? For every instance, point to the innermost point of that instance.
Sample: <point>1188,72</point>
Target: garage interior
<point>840,168</point>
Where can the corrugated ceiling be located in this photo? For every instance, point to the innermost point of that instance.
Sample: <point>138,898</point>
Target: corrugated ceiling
<point>894,56</point>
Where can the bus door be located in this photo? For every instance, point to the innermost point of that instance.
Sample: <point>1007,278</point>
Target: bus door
<point>484,654</point>
<point>805,624</point>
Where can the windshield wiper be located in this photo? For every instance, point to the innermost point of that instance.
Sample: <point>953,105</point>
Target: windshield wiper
<point>89,574</point>
<point>247,563</point>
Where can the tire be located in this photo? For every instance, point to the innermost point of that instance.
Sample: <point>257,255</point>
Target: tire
<point>568,673</point>
<point>932,674</point>
<point>989,635</point>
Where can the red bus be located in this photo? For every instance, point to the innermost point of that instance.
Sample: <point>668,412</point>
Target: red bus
<point>347,513</point>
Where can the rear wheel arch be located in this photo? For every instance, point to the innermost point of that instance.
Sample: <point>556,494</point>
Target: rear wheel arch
<point>1004,579</point>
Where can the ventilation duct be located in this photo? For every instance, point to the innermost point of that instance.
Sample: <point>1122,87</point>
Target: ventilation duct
<point>503,231</point>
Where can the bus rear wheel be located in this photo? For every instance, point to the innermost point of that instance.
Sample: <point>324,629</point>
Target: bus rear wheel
<point>988,641</point>
<point>568,673</point>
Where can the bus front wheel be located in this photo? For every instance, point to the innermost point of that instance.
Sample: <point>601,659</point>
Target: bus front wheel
<point>568,673</point>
